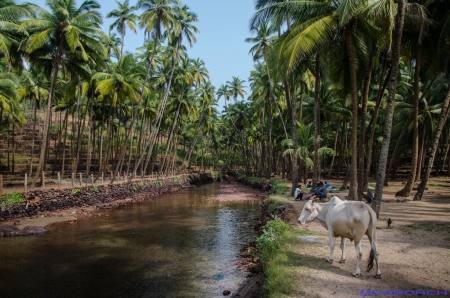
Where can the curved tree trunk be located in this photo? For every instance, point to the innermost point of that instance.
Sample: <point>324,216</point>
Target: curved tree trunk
<point>44,147</point>
<point>432,150</point>
<point>415,150</point>
<point>396,46</point>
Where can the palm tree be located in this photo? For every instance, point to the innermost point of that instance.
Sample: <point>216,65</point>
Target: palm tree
<point>439,11</point>
<point>120,84</point>
<point>11,33</point>
<point>236,88</point>
<point>182,29</point>
<point>396,47</point>
<point>125,17</point>
<point>66,29</point>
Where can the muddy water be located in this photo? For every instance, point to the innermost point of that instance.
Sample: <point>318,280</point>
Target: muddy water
<point>180,245</point>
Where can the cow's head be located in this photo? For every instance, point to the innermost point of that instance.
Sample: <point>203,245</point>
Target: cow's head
<point>309,212</point>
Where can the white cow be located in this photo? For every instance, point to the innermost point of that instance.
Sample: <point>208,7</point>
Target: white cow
<point>345,219</point>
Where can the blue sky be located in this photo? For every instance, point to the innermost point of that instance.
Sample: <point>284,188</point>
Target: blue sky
<point>223,28</point>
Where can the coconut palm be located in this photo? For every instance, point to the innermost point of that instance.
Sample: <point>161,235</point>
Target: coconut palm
<point>182,29</point>
<point>236,88</point>
<point>64,30</point>
<point>124,17</point>
<point>439,11</point>
<point>11,34</point>
<point>396,47</point>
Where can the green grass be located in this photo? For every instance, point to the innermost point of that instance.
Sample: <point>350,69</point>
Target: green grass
<point>285,269</point>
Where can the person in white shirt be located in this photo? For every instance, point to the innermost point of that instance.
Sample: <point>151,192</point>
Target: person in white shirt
<point>298,193</point>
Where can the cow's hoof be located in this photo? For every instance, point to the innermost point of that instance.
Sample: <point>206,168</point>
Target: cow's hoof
<point>342,261</point>
<point>329,261</point>
<point>356,274</point>
<point>378,276</point>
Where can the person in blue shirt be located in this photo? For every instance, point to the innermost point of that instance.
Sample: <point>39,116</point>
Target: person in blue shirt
<point>328,184</point>
<point>320,192</point>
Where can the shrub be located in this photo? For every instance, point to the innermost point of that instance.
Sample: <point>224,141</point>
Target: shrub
<point>9,201</point>
<point>94,189</point>
<point>76,191</point>
<point>176,180</point>
<point>268,242</point>
<point>255,182</point>
<point>277,186</point>
<point>158,182</point>
<point>216,175</point>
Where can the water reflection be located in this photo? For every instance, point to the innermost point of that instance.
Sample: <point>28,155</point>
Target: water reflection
<point>182,245</point>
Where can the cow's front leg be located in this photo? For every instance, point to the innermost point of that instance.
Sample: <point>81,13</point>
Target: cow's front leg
<point>343,250</point>
<point>332,240</point>
<point>358,248</point>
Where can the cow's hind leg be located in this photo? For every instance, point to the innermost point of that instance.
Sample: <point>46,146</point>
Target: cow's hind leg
<point>332,242</point>
<point>358,248</point>
<point>343,250</point>
<point>374,251</point>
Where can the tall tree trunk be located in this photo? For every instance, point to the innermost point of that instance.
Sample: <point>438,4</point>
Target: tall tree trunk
<point>334,149</point>
<point>294,159</point>
<point>44,147</point>
<point>421,153</point>
<point>89,150</point>
<point>316,170</point>
<point>269,140</point>
<point>353,192</point>
<point>396,47</point>
<point>32,142</point>
<point>432,150</point>
<point>415,150</point>
<point>66,127</point>
<point>159,116</point>
<point>362,133</point>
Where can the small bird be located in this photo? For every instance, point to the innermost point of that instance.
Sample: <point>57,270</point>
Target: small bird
<point>368,197</point>
<point>389,223</point>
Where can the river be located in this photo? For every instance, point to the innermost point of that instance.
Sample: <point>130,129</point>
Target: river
<point>185,244</point>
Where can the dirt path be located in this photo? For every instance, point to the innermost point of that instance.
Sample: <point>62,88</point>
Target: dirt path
<point>414,254</point>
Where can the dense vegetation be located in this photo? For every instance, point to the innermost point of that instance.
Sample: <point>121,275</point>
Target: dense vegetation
<point>334,82</point>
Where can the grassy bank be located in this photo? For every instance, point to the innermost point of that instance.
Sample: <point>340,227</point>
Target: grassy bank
<point>285,268</point>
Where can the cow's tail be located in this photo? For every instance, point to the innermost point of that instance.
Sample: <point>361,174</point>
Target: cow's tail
<point>372,233</point>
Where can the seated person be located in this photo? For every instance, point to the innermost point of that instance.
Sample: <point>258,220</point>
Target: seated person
<point>309,184</point>
<point>298,193</point>
<point>320,192</point>
<point>328,184</point>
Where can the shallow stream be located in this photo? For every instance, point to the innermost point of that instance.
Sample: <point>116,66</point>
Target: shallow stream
<point>184,244</point>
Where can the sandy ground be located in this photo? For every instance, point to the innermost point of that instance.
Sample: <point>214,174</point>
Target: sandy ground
<point>414,254</point>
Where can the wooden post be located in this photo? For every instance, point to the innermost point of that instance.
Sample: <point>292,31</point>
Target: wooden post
<point>59,179</point>
<point>25,183</point>
<point>118,176</point>
<point>73,179</point>
<point>103,177</point>
<point>134,175</point>
<point>112,176</point>
<point>81,179</point>
<point>43,179</point>
<point>92,179</point>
